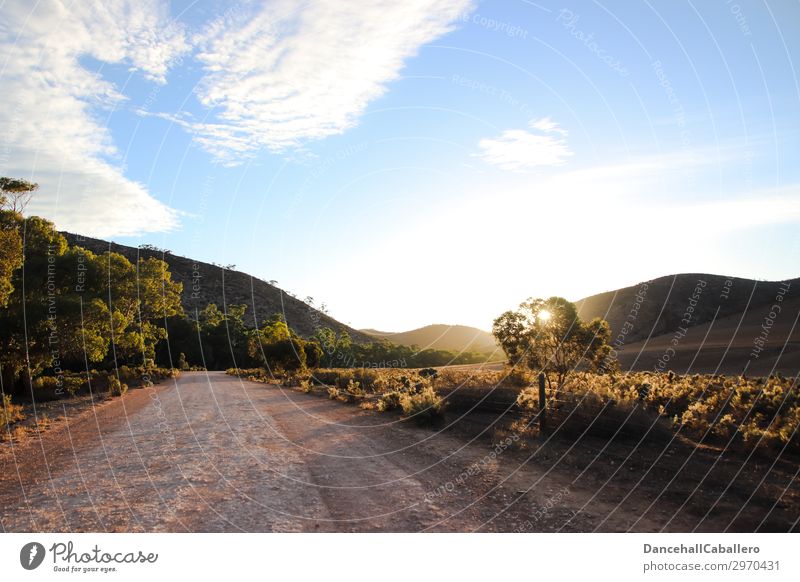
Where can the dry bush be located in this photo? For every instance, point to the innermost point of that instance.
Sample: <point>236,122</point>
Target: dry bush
<point>424,407</point>
<point>736,410</point>
<point>9,412</point>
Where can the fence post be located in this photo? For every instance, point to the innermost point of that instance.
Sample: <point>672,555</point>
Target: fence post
<point>542,404</point>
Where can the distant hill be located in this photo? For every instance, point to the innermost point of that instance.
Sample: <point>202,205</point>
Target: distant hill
<point>660,306</point>
<point>204,283</point>
<point>457,338</point>
<point>722,318</point>
<point>729,345</point>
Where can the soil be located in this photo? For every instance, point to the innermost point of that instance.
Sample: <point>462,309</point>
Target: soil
<point>209,452</point>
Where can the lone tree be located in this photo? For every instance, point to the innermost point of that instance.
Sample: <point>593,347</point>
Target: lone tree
<point>15,194</point>
<point>548,336</point>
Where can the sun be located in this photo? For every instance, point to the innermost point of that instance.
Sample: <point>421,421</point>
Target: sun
<point>544,315</point>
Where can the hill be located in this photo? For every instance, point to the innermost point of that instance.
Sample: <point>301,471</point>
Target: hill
<point>457,338</point>
<point>664,305</point>
<point>700,323</point>
<point>758,342</point>
<point>205,283</point>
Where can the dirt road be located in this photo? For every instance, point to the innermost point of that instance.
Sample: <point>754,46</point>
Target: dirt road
<point>210,452</point>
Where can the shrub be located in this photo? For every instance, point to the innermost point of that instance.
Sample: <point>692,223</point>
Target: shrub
<point>182,363</point>
<point>424,407</point>
<point>354,388</point>
<point>429,373</point>
<point>73,384</point>
<point>389,400</point>
<point>9,412</point>
<point>528,399</point>
<point>47,388</point>
<point>115,387</point>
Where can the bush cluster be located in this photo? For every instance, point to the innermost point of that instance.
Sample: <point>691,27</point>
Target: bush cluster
<point>739,410</point>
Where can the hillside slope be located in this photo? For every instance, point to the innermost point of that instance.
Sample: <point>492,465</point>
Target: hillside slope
<point>459,338</point>
<point>204,283</point>
<point>661,306</point>
<point>758,342</point>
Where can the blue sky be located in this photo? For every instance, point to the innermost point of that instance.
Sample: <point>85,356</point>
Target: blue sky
<point>418,162</point>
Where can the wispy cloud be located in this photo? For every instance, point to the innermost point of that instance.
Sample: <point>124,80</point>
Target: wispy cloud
<point>543,144</point>
<point>49,107</point>
<point>283,72</point>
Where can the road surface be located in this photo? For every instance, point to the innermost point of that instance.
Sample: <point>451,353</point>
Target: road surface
<point>210,452</point>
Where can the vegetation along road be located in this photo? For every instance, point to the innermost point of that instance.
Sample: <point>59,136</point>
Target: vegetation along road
<point>211,452</point>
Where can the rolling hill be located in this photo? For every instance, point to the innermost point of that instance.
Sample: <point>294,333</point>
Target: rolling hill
<point>457,338</point>
<point>664,305</point>
<point>758,342</point>
<point>713,323</point>
<point>205,283</point>
<point>700,323</point>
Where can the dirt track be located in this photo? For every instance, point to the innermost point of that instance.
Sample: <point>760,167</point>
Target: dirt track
<point>210,452</point>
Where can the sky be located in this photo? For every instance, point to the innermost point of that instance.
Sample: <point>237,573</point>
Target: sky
<point>417,162</point>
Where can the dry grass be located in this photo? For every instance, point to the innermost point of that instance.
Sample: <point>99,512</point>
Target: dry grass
<point>739,411</point>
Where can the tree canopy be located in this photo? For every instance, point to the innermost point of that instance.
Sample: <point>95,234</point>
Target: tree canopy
<point>15,194</point>
<point>547,335</point>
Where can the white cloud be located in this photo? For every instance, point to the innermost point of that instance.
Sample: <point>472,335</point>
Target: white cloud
<point>519,149</point>
<point>285,71</point>
<point>48,107</point>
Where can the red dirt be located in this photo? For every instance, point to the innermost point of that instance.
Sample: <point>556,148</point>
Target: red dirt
<point>210,452</point>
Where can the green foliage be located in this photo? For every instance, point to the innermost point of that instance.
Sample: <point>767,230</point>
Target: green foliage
<point>77,306</point>
<point>183,365</point>
<point>10,252</point>
<point>47,388</point>
<point>115,387</point>
<point>547,335</point>
<point>285,355</point>
<point>15,194</point>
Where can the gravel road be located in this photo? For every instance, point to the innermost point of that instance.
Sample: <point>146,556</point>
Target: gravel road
<point>210,452</point>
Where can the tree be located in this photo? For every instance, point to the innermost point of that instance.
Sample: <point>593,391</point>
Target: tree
<point>225,338</point>
<point>15,194</point>
<point>337,347</point>
<point>547,335</point>
<point>46,322</point>
<point>68,307</point>
<point>313,353</point>
<point>10,252</point>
